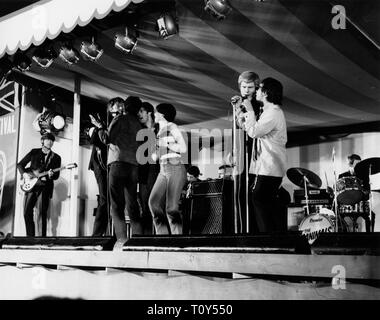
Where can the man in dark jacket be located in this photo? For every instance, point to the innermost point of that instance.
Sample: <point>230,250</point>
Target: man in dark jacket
<point>148,172</point>
<point>98,164</point>
<point>41,160</point>
<point>123,165</point>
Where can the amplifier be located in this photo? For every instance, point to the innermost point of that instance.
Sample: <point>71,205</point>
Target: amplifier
<point>319,196</point>
<point>209,208</point>
<point>316,201</point>
<point>208,187</point>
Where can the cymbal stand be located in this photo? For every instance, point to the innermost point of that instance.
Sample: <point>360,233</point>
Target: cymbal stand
<point>335,201</point>
<point>372,214</point>
<point>306,196</point>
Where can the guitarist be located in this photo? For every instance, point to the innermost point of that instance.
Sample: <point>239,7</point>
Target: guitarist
<point>40,159</point>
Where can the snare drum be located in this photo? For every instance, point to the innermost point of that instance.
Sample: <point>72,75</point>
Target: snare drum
<point>349,190</point>
<point>319,208</point>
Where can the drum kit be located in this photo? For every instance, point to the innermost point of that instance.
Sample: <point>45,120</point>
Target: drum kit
<point>350,200</point>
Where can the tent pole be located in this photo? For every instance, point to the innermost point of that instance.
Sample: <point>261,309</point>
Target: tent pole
<point>75,177</point>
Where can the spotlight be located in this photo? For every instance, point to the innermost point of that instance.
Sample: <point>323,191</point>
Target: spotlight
<point>49,121</point>
<point>219,9</point>
<point>166,25</point>
<point>22,62</point>
<point>44,57</point>
<point>69,54</point>
<point>5,68</point>
<point>91,50</point>
<point>126,43</point>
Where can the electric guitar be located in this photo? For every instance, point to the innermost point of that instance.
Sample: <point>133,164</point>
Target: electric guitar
<point>28,183</point>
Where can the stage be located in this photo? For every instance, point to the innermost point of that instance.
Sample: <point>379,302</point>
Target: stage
<point>336,266</point>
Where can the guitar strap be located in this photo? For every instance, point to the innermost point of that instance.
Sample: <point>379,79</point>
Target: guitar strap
<point>48,160</point>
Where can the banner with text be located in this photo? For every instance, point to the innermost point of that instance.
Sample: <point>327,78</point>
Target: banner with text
<point>9,124</point>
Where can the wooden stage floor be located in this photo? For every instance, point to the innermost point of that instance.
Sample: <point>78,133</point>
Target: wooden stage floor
<point>283,272</point>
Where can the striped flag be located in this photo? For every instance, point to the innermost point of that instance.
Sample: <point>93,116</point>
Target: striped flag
<point>8,96</point>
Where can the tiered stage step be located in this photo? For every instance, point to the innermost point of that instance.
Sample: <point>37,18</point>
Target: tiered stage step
<point>250,255</point>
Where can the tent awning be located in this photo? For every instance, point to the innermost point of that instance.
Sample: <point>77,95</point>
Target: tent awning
<point>48,18</point>
<point>330,77</point>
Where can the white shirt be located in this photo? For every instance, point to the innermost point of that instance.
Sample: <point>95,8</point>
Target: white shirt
<point>173,141</point>
<point>270,131</point>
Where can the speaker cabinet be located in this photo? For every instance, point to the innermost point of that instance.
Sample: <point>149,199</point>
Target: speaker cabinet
<point>209,208</point>
<point>296,214</point>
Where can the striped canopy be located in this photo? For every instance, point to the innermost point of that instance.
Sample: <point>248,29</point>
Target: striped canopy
<point>330,76</point>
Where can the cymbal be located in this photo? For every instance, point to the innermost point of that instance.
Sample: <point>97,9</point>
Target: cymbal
<point>363,167</point>
<point>297,176</point>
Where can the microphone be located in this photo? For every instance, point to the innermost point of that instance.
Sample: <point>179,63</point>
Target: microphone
<point>235,99</point>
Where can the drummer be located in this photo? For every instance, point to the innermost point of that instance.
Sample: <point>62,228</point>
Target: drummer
<point>352,160</point>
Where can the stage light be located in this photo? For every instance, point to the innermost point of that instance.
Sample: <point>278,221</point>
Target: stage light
<point>91,50</point>
<point>218,8</point>
<point>125,42</point>
<point>44,57</point>
<point>49,121</point>
<point>22,62</point>
<point>166,25</point>
<point>69,54</point>
<point>5,68</point>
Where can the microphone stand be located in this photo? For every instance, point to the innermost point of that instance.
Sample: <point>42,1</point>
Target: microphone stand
<point>237,228</point>
<point>246,175</point>
<point>246,182</point>
<point>237,184</point>
<point>110,228</point>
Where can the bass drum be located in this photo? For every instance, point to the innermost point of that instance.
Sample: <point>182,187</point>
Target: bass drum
<point>314,224</point>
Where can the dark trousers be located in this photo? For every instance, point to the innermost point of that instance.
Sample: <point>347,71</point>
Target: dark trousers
<point>123,198</point>
<point>264,197</point>
<point>145,189</point>
<point>101,218</point>
<point>30,201</point>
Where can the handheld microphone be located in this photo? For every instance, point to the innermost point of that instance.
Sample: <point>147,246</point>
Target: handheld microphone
<point>235,99</point>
